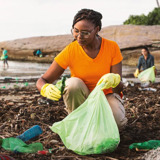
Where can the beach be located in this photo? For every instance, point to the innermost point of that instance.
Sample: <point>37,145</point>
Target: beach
<point>22,107</point>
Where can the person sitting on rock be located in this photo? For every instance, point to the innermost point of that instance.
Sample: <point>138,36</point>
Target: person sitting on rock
<point>38,53</point>
<point>146,60</point>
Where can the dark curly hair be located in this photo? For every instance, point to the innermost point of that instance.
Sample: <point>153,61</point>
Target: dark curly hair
<point>90,15</point>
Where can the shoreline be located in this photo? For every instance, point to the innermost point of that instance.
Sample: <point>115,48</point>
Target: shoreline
<point>22,74</point>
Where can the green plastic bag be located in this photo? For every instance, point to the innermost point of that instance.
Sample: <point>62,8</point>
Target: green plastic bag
<point>17,145</point>
<point>151,144</point>
<point>147,75</point>
<point>91,128</point>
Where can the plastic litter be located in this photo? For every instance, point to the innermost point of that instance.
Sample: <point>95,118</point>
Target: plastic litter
<point>61,84</point>
<point>3,87</point>
<point>26,84</point>
<point>151,144</point>
<point>16,80</point>
<point>44,152</point>
<point>18,146</point>
<point>148,89</point>
<point>91,128</point>
<point>125,82</point>
<point>30,133</point>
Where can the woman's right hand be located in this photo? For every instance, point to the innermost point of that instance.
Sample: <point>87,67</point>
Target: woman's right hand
<point>50,91</point>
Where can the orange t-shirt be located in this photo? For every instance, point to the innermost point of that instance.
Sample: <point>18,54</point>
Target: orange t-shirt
<point>84,67</point>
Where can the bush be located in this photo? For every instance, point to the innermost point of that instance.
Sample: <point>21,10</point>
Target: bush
<point>153,18</point>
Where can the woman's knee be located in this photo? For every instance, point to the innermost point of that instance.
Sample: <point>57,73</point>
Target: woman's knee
<point>118,110</point>
<point>75,93</point>
<point>75,84</point>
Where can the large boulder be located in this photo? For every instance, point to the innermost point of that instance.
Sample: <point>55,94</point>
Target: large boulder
<point>130,38</point>
<point>22,49</point>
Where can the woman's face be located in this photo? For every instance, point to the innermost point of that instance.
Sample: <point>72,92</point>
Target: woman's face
<point>84,32</point>
<point>144,52</point>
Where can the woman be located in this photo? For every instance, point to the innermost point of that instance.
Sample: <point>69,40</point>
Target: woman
<point>91,59</point>
<point>146,60</point>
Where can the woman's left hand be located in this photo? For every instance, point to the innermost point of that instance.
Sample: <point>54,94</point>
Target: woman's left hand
<point>109,80</point>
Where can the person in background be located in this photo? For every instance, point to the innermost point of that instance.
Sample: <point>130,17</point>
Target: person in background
<point>146,60</point>
<point>92,60</point>
<point>4,57</point>
<point>38,53</point>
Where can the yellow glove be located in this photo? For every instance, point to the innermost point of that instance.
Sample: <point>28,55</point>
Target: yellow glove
<point>154,67</point>
<point>110,80</point>
<point>51,92</point>
<point>136,73</point>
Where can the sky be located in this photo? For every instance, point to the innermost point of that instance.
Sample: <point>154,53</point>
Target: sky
<point>32,18</point>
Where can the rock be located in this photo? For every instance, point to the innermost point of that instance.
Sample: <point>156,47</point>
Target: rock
<point>132,36</point>
<point>152,154</point>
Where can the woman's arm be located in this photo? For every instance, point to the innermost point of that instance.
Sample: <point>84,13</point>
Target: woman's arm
<point>52,74</point>
<point>117,69</point>
<point>139,63</point>
<point>152,61</point>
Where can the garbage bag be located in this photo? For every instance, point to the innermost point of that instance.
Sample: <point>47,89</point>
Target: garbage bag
<point>91,128</point>
<point>147,75</point>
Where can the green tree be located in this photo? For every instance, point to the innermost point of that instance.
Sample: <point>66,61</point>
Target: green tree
<point>136,20</point>
<point>153,18</point>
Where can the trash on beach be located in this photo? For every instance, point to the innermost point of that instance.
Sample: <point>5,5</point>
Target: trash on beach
<point>3,87</point>
<point>30,133</point>
<point>126,83</point>
<point>44,152</point>
<point>26,84</point>
<point>16,80</point>
<point>148,89</point>
<point>18,146</point>
<point>145,84</point>
<point>147,145</point>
